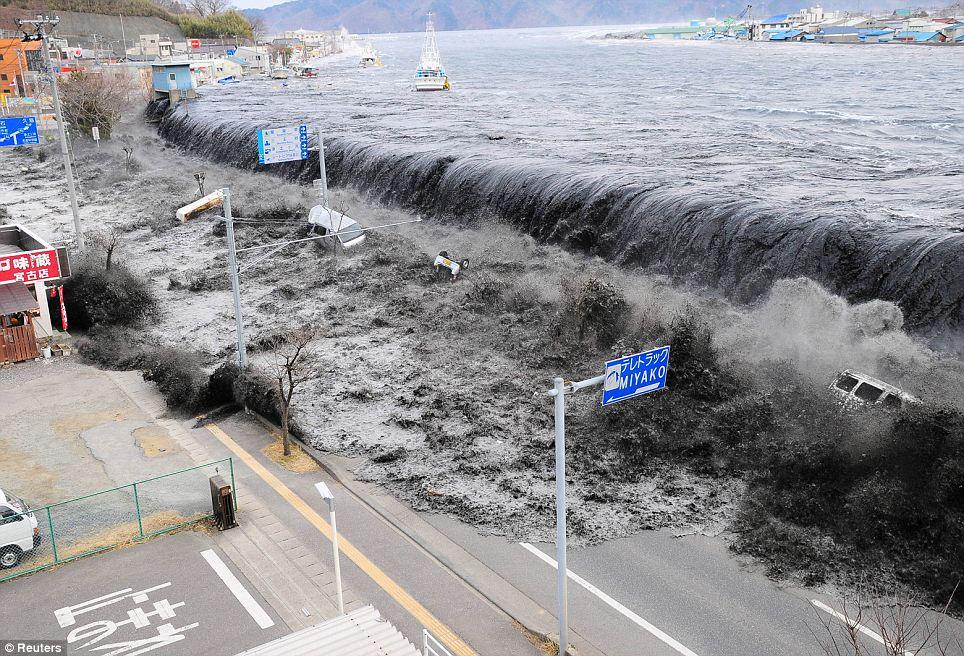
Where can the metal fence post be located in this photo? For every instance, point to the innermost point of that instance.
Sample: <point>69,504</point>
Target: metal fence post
<point>234,490</point>
<point>53,540</point>
<point>137,507</point>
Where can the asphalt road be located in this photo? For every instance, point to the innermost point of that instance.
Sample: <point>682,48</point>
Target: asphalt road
<point>182,593</point>
<point>691,589</point>
<point>487,630</point>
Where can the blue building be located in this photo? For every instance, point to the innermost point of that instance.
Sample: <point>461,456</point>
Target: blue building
<point>173,80</point>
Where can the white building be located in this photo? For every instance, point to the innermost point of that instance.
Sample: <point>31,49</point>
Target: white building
<point>152,45</point>
<point>257,57</point>
<point>206,71</point>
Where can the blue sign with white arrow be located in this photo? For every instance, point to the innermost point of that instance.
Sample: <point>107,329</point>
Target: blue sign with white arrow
<point>635,375</point>
<point>18,131</point>
<point>283,144</point>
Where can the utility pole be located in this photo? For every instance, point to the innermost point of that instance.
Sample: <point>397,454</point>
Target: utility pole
<point>321,169</point>
<point>235,282</point>
<point>123,38</point>
<point>40,24</point>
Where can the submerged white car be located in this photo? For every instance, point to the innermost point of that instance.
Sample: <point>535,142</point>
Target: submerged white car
<point>326,221</point>
<point>18,530</point>
<point>857,387</point>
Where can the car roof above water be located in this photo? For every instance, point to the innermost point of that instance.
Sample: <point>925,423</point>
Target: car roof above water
<point>876,382</point>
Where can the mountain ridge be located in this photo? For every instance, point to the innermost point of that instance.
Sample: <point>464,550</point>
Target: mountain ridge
<point>409,15</point>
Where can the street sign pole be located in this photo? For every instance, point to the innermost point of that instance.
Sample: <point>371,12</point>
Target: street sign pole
<point>625,378</point>
<point>321,169</point>
<point>235,282</point>
<point>562,570</point>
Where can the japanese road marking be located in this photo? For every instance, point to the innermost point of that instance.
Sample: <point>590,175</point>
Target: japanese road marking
<point>609,601</point>
<point>444,634</point>
<point>238,590</point>
<point>860,627</point>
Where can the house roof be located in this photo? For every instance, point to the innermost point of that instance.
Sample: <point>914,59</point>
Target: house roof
<point>15,297</point>
<point>782,35</point>
<point>360,632</point>
<point>878,32</point>
<point>779,18</point>
<point>840,29</point>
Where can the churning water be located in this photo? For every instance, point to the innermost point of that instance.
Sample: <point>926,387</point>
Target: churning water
<point>735,164</point>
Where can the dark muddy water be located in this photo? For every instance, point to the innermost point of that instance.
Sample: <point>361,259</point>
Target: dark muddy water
<point>734,164</point>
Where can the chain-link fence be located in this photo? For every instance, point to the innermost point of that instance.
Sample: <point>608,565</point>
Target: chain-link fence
<point>32,539</point>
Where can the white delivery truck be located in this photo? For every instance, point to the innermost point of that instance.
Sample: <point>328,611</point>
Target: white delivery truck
<point>18,530</point>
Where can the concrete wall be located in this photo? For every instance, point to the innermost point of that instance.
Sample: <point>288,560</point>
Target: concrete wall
<point>77,28</point>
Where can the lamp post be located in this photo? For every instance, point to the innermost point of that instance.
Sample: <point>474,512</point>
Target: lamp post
<point>330,500</point>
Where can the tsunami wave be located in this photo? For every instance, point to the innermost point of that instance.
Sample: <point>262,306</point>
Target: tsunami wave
<point>740,245</point>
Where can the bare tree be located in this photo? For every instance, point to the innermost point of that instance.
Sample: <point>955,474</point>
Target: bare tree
<point>106,241</point>
<point>200,7</point>
<point>901,626</point>
<point>96,99</point>
<point>294,362</point>
<point>217,6</point>
<point>259,27</point>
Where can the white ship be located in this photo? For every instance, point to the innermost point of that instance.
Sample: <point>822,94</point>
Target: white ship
<point>370,57</point>
<point>430,74</point>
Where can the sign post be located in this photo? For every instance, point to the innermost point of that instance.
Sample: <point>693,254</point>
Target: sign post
<point>290,144</point>
<point>95,133</point>
<point>625,378</point>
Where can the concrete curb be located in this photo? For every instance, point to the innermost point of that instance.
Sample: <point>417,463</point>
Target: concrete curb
<point>477,575</point>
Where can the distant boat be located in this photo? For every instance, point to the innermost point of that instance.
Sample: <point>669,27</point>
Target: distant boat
<point>430,74</point>
<point>280,73</point>
<point>370,57</point>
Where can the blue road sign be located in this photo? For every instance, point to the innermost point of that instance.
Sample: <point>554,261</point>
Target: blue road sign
<point>18,131</point>
<point>635,375</point>
<point>283,144</point>
<point>230,51</point>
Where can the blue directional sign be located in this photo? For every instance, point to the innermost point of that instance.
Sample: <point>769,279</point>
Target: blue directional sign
<point>635,375</point>
<point>283,144</point>
<point>18,131</point>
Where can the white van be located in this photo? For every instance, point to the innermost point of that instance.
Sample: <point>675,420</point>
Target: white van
<point>854,386</point>
<point>18,530</point>
<point>326,221</point>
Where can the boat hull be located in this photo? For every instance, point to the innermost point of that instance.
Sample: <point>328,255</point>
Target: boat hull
<point>434,83</point>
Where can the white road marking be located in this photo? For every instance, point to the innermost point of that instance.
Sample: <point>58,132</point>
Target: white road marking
<point>615,605</point>
<point>234,585</point>
<point>860,627</point>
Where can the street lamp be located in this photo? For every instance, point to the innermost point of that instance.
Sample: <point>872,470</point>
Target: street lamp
<point>330,500</point>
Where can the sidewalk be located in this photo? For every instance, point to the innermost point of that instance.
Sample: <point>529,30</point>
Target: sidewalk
<point>289,575</point>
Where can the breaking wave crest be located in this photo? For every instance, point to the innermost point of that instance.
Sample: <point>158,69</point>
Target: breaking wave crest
<point>741,246</point>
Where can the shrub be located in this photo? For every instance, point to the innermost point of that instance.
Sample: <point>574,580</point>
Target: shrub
<point>694,362</point>
<point>596,308</point>
<point>115,297</point>
<point>112,347</point>
<point>485,291</point>
<point>179,377</point>
<point>259,393</point>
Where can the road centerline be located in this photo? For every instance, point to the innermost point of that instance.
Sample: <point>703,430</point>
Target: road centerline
<point>612,603</point>
<point>240,593</point>
<point>401,596</point>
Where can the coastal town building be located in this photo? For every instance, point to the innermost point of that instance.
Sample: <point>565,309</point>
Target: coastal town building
<point>17,59</point>
<point>28,264</point>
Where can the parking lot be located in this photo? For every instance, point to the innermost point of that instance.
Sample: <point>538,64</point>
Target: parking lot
<point>170,596</point>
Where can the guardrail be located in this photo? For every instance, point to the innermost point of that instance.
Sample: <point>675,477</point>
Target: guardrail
<point>96,522</point>
<point>431,646</point>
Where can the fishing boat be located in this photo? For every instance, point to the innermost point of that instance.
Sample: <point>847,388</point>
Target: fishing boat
<point>370,57</point>
<point>430,74</point>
